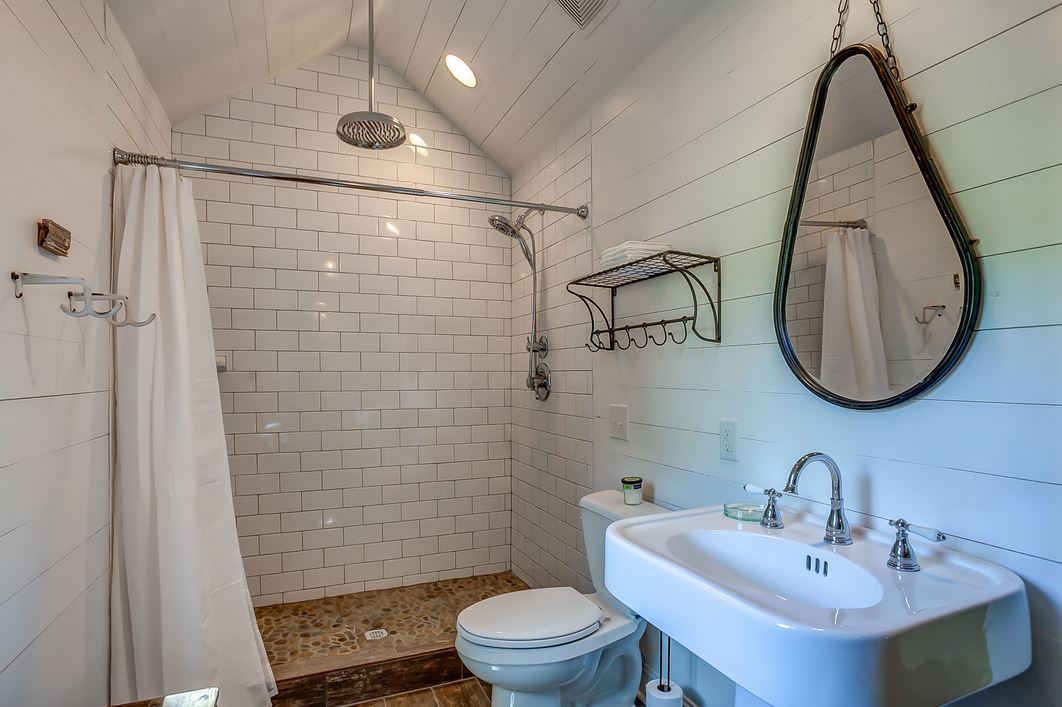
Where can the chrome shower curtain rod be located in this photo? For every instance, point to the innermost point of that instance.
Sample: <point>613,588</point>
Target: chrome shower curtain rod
<point>123,157</point>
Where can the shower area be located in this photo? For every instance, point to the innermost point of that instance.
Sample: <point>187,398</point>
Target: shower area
<point>369,349</point>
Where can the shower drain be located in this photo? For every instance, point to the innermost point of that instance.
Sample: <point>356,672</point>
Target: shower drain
<point>376,634</point>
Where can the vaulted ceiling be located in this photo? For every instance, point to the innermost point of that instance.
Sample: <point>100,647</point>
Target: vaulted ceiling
<point>537,71</point>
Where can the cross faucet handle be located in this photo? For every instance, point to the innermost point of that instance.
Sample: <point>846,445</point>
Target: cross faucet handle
<point>772,517</point>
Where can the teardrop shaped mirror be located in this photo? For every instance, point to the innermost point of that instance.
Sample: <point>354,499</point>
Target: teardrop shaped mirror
<point>878,288</point>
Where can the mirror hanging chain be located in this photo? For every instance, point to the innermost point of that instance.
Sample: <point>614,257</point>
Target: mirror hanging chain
<point>838,29</point>
<point>883,32</point>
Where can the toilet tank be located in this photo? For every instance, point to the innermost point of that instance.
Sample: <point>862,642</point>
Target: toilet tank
<point>598,510</point>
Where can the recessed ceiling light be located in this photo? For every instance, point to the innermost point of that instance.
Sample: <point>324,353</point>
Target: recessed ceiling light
<point>461,70</point>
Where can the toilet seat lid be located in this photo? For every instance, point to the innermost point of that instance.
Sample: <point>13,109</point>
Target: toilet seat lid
<point>533,618</point>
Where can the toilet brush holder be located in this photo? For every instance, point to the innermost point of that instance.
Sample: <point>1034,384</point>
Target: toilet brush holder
<point>655,696</point>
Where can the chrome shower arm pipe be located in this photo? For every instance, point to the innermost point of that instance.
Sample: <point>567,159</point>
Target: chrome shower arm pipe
<point>123,157</point>
<point>372,57</point>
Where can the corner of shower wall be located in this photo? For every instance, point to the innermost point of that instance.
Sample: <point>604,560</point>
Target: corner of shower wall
<point>552,441</point>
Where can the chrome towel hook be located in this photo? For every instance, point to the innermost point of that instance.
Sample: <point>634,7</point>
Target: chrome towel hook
<point>121,304</point>
<point>83,294</point>
<point>938,308</point>
<point>89,298</point>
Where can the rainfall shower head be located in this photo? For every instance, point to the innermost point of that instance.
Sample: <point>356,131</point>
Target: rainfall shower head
<point>507,227</point>
<point>371,130</point>
<point>367,128</point>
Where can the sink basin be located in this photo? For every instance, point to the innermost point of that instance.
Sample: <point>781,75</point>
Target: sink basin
<point>799,622</point>
<point>761,568</point>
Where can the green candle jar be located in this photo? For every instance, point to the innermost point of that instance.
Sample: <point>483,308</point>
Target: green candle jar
<point>632,490</point>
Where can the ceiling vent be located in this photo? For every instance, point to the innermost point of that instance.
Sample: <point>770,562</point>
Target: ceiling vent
<point>586,14</point>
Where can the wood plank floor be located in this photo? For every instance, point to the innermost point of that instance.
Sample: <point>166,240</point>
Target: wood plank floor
<point>463,693</point>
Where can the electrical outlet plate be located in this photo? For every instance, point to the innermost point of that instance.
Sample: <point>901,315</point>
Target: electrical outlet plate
<point>618,419</point>
<point>728,440</point>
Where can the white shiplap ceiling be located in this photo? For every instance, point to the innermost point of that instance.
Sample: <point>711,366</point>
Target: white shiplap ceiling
<point>537,71</point>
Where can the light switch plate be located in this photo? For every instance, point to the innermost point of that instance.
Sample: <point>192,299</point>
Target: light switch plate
<point>618,418</point>
<point>728,440</point>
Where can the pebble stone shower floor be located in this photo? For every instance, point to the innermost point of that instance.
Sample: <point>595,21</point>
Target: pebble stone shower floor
<point>321,657</point>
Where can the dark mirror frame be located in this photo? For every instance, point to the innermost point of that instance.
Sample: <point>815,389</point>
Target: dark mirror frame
<point>964,245</point>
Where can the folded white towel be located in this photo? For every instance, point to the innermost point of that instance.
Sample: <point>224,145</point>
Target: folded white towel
<point>636,246</point>
<point>631,250</point>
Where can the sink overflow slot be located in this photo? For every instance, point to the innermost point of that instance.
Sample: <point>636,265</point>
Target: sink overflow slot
<point>820,566</point>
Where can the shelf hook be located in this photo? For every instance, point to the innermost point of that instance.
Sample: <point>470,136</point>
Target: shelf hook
<point>685,332</point>
<point>663,325</point>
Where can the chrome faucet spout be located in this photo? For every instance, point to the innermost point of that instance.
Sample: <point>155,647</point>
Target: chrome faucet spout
<point>838,532</point>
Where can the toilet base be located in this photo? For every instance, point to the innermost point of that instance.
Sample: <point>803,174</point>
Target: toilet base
<point>606,677</point>
<point>500,697</point>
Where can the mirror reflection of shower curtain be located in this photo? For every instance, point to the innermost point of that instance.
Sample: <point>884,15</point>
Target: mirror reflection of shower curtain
<point>853,349</point>
<point>181,615</point>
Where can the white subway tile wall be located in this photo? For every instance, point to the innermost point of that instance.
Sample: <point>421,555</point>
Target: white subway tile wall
<point>72,90</point>
<point>367,338</point>
<point>553,440</point>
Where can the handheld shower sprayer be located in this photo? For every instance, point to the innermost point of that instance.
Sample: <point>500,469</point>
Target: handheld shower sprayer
<point>510,228</point>
<point>538,378</point>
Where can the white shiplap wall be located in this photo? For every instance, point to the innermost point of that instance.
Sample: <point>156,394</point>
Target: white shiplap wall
<point>365,400</point>
<point>697,147</point>
<point>70,90</point>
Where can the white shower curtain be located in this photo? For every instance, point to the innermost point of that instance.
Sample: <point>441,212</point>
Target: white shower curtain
<point>181,615</point>
<point>853,349</point>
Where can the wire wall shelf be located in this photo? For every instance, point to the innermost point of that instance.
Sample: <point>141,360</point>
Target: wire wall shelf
<point>604,337</point>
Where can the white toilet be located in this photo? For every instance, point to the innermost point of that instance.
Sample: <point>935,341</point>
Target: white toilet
<point>551,647</point>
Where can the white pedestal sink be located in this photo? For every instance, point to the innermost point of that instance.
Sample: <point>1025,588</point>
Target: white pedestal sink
<point>801,623</point>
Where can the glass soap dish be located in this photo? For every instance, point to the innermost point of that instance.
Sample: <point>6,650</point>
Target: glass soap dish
<point>744,511</point>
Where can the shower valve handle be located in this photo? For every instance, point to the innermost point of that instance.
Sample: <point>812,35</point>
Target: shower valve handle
<point>541,346</point>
